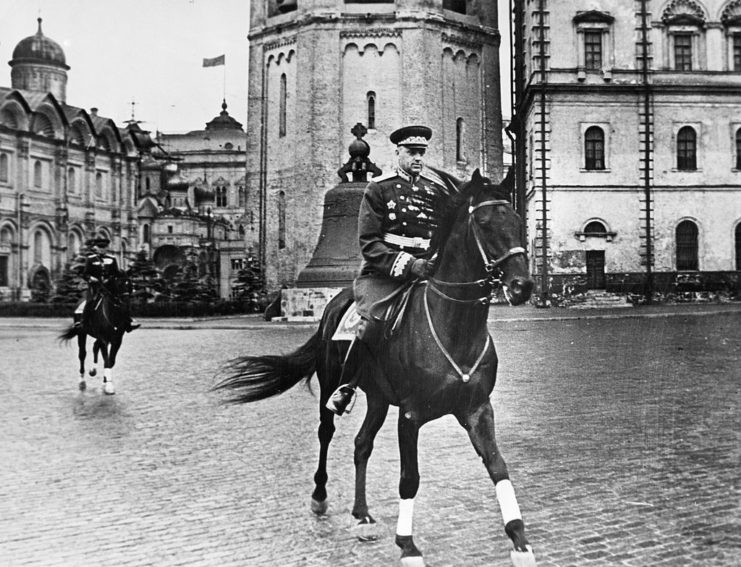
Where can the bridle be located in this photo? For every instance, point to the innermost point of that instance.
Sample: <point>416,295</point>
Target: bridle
<point>492,266</point>
<point>493,279</point>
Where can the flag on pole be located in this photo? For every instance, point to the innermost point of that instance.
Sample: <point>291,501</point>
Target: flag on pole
<point>214,61</point>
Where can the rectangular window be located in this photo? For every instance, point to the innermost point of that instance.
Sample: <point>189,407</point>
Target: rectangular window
<point>3,271</point>
<point>683,52</point>
<point>737,52</point>
<point>593,50</point>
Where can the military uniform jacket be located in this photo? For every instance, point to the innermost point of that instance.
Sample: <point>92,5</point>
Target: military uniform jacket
<point>101,266</point>
<point>396,220</point>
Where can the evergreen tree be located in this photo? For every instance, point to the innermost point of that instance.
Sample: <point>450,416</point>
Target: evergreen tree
<point>70,287</point>
<point>146,281</point>
<point>189,287</point>
<point>248,287</point>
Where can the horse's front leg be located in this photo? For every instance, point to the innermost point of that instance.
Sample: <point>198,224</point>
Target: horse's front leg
<point>81,354</point>
<point>96,349</point>
<point>367,529</point>
<point>408,431</point>
<point>109,351</point>
<point>480,427</point>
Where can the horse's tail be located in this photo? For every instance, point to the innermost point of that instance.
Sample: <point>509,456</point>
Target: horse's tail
<point>258,377</point>
<point>68,334</point>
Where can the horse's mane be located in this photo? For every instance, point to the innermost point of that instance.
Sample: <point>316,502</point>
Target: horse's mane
<point>460,192</point>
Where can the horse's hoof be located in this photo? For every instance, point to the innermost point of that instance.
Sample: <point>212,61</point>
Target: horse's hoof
<point>108,388</point>
<point>367,530</point>
<point>523,558</point>
<point>93,372</point>
<point>412,561</point>
<point>82,385</point>
<point>319,507</point>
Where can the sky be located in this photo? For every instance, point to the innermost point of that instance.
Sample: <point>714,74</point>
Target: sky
<point>150,52</point>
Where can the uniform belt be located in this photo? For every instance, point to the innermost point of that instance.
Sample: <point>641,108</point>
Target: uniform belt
<point>406,241</point>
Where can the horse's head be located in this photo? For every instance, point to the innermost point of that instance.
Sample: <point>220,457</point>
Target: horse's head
<point>481,237</point>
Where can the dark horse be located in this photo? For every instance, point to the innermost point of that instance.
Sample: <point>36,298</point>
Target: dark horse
<point>105,319</point>
<point>439,360</point>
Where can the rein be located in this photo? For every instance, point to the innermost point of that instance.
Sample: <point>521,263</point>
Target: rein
<point>465,376</point>
<point>493,280</point>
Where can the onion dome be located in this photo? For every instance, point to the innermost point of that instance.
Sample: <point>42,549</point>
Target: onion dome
<point>38,48</point>
<point>223,121</point>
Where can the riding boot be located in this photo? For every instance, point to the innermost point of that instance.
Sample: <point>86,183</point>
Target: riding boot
<point>340,399</point>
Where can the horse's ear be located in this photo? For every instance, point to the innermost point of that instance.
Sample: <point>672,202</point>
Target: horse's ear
<point>476,176</point>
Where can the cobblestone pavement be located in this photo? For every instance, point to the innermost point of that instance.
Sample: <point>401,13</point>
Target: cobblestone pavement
<point>621,434</point>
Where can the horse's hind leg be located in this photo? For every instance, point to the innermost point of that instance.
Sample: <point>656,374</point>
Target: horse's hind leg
<point>326,432</point>
<point>366,528</point>
<point>81,354</point>
<point>480,427</point>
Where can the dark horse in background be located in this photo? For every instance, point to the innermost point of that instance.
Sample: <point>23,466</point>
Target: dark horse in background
<point>439,360</point>
<point>105,318</point>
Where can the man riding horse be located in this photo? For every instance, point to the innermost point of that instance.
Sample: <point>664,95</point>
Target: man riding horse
<point>100,269</point>
<point>397,217</point>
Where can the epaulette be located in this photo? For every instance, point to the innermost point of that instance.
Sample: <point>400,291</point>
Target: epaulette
<point>434,177</point>
<point>385,176</point>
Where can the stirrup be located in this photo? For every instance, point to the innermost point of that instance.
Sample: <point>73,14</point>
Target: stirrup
<point>342,400</point>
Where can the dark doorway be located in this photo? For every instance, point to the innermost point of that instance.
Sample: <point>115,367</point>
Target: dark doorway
<point>596,269</point>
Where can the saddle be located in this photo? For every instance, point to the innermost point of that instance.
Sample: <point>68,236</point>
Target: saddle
<point>393,315</point>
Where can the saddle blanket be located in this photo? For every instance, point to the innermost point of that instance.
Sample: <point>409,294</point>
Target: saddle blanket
<point>345,331</point>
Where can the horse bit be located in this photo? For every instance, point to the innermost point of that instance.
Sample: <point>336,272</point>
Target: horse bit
<point>492,266</point>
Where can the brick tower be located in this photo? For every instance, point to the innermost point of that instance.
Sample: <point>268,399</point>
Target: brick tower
<point>318,67</point>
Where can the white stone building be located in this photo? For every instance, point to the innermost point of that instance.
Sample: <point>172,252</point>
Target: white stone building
<point>639,166</point>
<point>66,174</point>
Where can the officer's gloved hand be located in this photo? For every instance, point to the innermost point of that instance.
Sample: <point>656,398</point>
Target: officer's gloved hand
<point>422,268</point>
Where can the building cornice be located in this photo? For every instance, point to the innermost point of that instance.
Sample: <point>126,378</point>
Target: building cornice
<point>393,23</point>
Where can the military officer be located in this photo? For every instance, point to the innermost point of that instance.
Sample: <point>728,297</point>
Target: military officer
<point>99,267</point>
<point>397,217</point>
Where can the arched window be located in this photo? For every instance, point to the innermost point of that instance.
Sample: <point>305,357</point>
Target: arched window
<point>73,244</point>
<point>71,181</point>
<point>38,247</point>
<point>594,148</point>
<point>281,220</point>
<point>4,168</point>
<point>460,132</point>
<point>99,185</point>
<point>371,98</point>
<point>738,246</point>
<point>148,184</point>
<point>242,196</point>
<point>595,228</point>
<point>6,236</point>
<point>282,110</point>
<point>686,237</point>
<point>38,174</point>
<point>686,149</point>
<point>145,234</point>
<point>221,196</point>
<point>738,148</point>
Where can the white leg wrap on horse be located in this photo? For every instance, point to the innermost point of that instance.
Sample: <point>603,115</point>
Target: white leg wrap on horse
<point>507,501</point>
<point>406,516</point>
<point>108,374</point>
